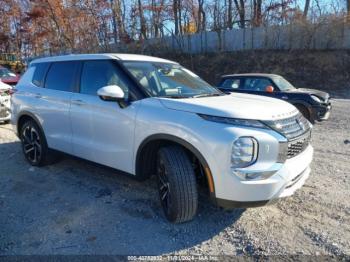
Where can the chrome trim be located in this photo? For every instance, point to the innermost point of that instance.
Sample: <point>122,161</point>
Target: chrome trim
<point>258,174</point>
<point>290,127</point>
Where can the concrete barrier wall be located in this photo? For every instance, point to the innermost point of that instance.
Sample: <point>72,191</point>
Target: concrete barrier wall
<point>328,36</point>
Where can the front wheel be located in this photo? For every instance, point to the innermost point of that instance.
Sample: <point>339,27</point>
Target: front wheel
<point>176,184</point>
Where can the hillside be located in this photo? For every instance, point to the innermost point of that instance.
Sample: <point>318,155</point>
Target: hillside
<point>325,70</point>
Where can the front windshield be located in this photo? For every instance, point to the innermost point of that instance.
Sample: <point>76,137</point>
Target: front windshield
<point>169,80</point>
<point>4,72</point>
<point>282,83</point>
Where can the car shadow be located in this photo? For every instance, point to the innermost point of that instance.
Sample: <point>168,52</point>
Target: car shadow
<point>77,207</point>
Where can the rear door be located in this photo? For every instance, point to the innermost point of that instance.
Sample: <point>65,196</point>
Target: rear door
<point>53,103</point>
<point>103,132</point>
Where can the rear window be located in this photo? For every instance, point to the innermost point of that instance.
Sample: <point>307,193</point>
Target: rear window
<point>61,76</point>
<point>39,74</point>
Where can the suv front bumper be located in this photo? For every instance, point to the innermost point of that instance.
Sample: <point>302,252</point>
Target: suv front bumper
<point>285,182</point>
<point>322,111</point>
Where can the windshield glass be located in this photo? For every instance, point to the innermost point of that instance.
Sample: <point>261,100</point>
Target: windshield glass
<point>282,83</point>
<point>169,80</point>
<point>4,72</point>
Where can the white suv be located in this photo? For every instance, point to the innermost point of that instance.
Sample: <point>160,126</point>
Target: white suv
<point>145,115</point>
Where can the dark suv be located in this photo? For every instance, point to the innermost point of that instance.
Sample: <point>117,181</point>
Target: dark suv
<point>313,104</point>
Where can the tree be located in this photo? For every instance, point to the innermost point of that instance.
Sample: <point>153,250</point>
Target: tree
<point>229,14</point>
<point>143,28</point>
<point>257,17</point>
<point>201,16</point>
<point>306,8</point>
<point>240,6</point>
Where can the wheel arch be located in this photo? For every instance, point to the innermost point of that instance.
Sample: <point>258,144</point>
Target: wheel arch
<point>154,142</point>
<point>306,105</point>
<point>25,115</point>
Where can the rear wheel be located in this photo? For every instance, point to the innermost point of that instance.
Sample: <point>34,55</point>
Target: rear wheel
<point>176,184</point>
<point>34,144</point>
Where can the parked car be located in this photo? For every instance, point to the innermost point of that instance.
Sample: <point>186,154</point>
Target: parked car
<point>5,92</point>
<point>144,115</point>
<point>313,104</point>
<point>8,77</point>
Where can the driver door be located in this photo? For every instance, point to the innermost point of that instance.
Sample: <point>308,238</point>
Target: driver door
<point>103,132</point>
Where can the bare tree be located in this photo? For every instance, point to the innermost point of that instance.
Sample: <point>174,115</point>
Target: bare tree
<point>176,16</point>
<point>306,8</point>
<point>240,6</point>
<point>257,16</point>
<point>143,28</point>
<point>229,14</point>
<point>201,16</point>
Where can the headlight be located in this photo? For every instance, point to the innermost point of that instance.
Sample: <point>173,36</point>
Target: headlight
<point>234,121</point>
<point>244,152</point>
<point>316,99</point>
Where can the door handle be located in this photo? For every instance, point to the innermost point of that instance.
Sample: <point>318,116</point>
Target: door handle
<point>284,97</point>
<point>78,102</point>
<point>38,95</point>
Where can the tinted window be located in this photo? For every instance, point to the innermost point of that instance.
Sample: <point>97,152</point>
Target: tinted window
<point>39,74</point>
<point>231,83</point>
<point>256,84</point>
<point>100,73</point>
<point>61,76</point>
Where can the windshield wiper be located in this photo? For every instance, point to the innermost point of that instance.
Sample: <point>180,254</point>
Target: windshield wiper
<point>207,95</point>
<point>175,96</point>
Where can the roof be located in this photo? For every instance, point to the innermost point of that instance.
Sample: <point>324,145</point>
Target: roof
<point>123,57</point>
<point>251,74</point>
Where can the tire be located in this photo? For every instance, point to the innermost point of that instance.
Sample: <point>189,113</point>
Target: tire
<point>305,112</point>
<point>177,185</point>
<point>34,144</point>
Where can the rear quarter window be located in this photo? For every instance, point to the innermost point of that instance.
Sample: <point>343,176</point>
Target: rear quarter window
<point>231,83</point>
<point>39,74</point>
<point>61,76</point>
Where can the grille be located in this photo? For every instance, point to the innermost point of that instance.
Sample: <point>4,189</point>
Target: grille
<point>299,145</point>
<point>291,127</point>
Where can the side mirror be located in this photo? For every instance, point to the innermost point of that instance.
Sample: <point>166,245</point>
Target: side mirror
<point>269,89</point>
<point>111,93</point>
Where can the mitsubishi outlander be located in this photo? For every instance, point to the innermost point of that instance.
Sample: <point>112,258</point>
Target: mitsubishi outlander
<point>149,116</point>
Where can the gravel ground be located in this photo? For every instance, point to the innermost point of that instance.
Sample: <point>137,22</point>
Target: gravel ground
<point>75,207</point>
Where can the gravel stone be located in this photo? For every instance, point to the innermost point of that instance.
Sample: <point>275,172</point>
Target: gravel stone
<point>75,207</point>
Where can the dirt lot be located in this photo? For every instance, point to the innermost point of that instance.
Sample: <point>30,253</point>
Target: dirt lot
<point>74,207</point>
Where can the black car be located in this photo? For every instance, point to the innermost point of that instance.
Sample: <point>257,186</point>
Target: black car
<point>313,104</point>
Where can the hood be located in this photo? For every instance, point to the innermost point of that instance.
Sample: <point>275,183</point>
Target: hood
<point>235,105</point>
<point>320,94</point>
